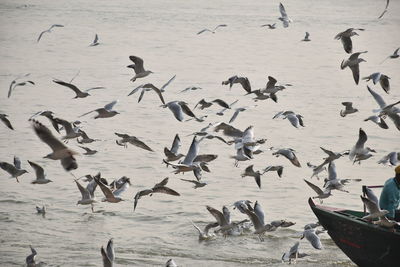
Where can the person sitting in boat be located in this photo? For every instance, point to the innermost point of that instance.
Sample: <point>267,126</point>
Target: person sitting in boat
<point>390,196</point>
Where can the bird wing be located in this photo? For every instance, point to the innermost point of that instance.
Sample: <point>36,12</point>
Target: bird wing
<point>121,189</point>
<point>371,205</point>
<point>110,250</point>
<point>110,106</point>
<point>313,238</point>
<point>106,261</point>
<point>10,88</point>
<point>244,81</point>
<point>17,162</point>
<point>355,69</point>
<point>384,11</point>
<point>377,98</point>
<point>138,64</point>
<point>40,35</point>
<point>164,182</point>
<point>254,219</point>
<point>186,109</point>
<point>370,195</point>
<point>140,194</point>
<point>221,102</point>
<point>220,25</point>
<point>314,187</point>
<point>271,82</point>
<point>165,190</point>
<point>136,89</point>
<point>332,175</point>
<point>8,167</point>
<point>259,212</point>
<point>46,136</point>
<point>95,88</point>
<point>69,85</point>
<point>176,144</point>
<point>138,143</point>
<point>155,89</point>
<point>38,170</point>
<point>96,39</point>
<point>205,30</point>
<point>347,44</point>
<point>282,10</point>
<point>141,95</point>
<point>218,216</point>
<point>162,89</point>
<point>192,153</point>
<point>84,192</point>
<point>228,130</point>
<point>176,110</point>
<point>362,138</point>
<point>66,124</point>
<point>106,191</point>
<point>6,122</point>
<point>384,82</point>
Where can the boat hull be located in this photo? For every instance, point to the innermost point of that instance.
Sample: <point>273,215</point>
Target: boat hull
<point>364,243</point>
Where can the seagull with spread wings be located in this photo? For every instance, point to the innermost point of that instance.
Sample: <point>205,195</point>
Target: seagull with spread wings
<point>138,67</point>
<point>212,31</point>
<point>49,30</point>
<point>77,91</point>
<point>60,150</point>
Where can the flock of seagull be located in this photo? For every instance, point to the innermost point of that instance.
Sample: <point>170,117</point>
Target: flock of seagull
<point>245,147</point>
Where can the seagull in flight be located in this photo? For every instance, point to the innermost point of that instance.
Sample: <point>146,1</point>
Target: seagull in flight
<point>40,175</point>
<point>60,151</point>
<point>284,17</point>
<point>157,188</point>
<point>105,112</point>
<point>394,55</point>
<point>48,30</point>
<point>270,26</point>
<point>179,108</point>
<point>353,63</point>
<point>348,110</point>
<point>14,83</point>
<point>212,31</point>
<point>138,68</point>
<point>15,169</point>
<point>321,194</point>
<point>345,37</point>
<point>381,78</point>
<point>77,91</point>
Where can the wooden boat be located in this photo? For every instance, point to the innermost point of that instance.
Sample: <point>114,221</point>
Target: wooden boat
<point>365,243</point>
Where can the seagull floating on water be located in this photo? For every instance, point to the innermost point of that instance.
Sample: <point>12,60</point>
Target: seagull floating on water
<point>95,41</point>
<point>306,37</point>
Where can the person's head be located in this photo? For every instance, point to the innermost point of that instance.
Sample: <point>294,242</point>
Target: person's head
<point>397,171</point>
